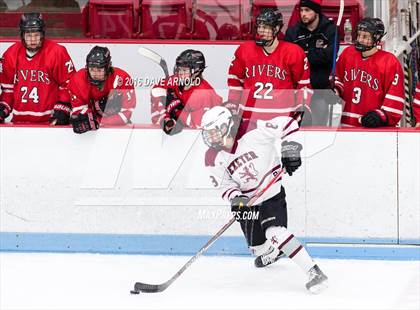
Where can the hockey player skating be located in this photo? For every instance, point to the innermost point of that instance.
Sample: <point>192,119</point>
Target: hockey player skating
<point>242,158</point>
<point>370,80</point>
<point>181,100</point>
<point>100,93</point>
<point>35,75</point>
<point>264,74</point>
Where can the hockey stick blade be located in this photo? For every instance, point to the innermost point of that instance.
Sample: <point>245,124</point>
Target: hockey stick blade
<point>155,57</point>
<point>148,288</point>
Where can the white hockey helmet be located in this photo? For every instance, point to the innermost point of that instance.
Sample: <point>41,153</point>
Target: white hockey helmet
<point>216,125</point>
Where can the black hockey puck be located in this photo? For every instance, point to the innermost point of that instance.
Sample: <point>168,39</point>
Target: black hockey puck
<point>134,292</point>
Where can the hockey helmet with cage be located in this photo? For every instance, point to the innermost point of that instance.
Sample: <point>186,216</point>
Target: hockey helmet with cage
<point>269,17</point>
<point>375,27</point>
<point>216,125</point>
<point>99,57</point>
<point>192,59</point>
<point>31,22</point>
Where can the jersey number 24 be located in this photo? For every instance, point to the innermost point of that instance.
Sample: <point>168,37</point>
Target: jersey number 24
<point>32,94</point>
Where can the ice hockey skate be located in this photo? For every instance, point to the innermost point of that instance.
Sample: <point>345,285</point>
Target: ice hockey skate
<point>268,258</point>
<point>317,280</point>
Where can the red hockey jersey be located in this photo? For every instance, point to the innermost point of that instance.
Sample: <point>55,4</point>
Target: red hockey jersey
<point>197,100</point>
<point>31,86</point>
<point>366,84</point>
<point>263,84</point>
<point>416,104</point>
<point>83,95</point>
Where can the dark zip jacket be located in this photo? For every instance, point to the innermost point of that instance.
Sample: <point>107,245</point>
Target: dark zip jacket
<point>318,46</point>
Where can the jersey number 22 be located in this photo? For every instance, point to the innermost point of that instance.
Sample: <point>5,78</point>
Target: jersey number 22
<point>258,94</point>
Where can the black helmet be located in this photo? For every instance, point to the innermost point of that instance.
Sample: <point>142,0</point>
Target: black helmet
<point>98,57</point>
<point>375,27</point>
<point>191,59</point>
<point>31,22</point>
<point>269,17</point>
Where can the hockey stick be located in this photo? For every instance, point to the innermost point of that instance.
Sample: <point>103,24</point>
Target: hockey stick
<point>155,57</point>
<point>340,17</point>
<point>156,288</point>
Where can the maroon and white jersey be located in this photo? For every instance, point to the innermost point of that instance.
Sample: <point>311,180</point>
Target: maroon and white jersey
<point>367,84</point>
<point>84,95</point>
<point>253,161</point>
<point>416,103</point>
<point>263,84</point>
<point>31,86</point>
<point>196,100</point>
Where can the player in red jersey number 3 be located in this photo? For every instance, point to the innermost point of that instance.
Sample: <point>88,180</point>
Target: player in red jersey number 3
<point>370,80</point>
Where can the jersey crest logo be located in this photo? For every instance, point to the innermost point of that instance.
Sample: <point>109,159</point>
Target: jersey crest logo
<point>249,173</point>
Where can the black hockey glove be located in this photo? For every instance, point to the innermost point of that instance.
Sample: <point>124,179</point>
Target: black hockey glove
<point>84,122</point>
<point>61,114</point>
<point>109,105</point>
<point>4,112</point>
<point>171,126</point>
<point>238,205</point>
<point>290,156</point>
<point>375,118</point>
<point>174,108</point>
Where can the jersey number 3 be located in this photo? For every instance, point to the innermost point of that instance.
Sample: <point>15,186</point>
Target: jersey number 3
<point>33,94</point>
<point>258,92</point>
<point>357,94</point>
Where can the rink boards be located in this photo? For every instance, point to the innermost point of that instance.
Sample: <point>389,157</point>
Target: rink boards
<point>134,190</point>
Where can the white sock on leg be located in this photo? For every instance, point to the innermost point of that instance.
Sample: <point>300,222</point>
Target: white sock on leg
<point>285,241</point>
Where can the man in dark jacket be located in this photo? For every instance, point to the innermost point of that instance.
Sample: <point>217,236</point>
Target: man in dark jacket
<point>315,34</point>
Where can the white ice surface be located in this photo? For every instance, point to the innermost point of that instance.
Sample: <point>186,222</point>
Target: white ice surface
<point>93,281</point>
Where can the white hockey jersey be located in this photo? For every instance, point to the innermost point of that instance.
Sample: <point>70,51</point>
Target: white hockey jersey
<point>253,160</point>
